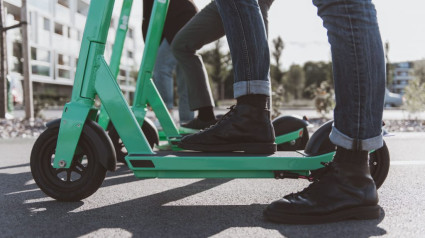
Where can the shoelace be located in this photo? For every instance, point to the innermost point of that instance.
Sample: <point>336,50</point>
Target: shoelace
<point>223,118</point>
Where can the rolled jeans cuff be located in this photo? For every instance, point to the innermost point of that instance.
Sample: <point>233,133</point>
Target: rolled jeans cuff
<point>251,87</point>
<point>339,139</point>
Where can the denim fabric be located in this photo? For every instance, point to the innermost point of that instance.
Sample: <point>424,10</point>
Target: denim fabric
<point>358,71</point>
<point>185,114</point>
<point>247,38</point>
<point>357,56</point>
<point>204,28</point>
<point>163,79</point>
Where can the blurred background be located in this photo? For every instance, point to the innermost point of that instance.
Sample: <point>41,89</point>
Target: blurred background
<point>301,71</point>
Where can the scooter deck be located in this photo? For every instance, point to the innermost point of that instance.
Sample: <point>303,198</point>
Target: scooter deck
<point>223,165</point>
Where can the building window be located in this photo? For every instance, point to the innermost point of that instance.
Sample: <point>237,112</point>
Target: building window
<point>130,54</point>
<point>122,75</point>
<point>42,70</point>
<point>40,64</point>
<point>64,66</point>
<point>130,33</point>
<point>82,8</point>
<point>112,22</point>
<point>46,24</point>
<point>63,73</point>
<point>63,60</point>
<point>64,3</point>
<point>58,28</point>
<point>40,55</point>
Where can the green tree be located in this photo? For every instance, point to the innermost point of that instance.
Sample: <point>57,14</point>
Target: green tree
<point>275,70</point>
<point>389,68</point>
<point>219,67</point>
<point>276,75</point>
<point>414,92</point>
<point>419,71</point>
<point>324,98</point>
<point>294,82</point>
<point>316,73</point>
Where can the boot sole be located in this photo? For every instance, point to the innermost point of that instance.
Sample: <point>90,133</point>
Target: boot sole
<point>254,148</point>
<point>356,213</point>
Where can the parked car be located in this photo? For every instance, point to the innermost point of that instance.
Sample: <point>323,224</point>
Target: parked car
<point>392,99</point>
<point>16,89</point>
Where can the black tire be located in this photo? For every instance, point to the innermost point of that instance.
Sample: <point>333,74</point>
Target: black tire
<point>287,124</point>
<point>379,164</point>
<point>86,173</point>
<point>148,129</point>
<point>379,160</point>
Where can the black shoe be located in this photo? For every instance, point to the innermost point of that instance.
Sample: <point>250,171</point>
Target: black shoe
<point>198,124</point>
<point>344,191</point>
<point>244,128</point>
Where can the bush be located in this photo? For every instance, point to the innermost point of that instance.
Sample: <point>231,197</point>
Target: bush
<point>415,96</point>
<point>324,98</point>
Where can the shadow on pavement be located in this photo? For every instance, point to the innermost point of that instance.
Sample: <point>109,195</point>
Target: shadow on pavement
<point>150,216</point>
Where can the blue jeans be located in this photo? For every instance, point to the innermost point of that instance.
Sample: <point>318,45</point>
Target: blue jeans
<point>357,60</point>
<point>204,28</point>
<point>247,38</point>
<point>163,78</point>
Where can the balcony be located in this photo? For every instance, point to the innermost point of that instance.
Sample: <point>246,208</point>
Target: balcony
<point>62,13</point>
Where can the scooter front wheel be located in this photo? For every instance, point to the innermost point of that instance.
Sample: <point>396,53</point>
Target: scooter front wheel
<point>85,174</point>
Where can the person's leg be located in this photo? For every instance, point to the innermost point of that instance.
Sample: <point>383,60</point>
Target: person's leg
<point>199,31</point>
<point>163,73</point>
<point>185,114</point>
<point>247,39</point>
<point>265,7</point>
<point>204,28</point>
<point>346,189</point>
<point>247,127</point>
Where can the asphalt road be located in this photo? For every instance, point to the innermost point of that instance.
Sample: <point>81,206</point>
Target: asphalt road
<point>127,207</point>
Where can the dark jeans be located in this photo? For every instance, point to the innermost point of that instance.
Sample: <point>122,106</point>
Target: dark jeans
<point>357,58</point>
<point>204,28</point>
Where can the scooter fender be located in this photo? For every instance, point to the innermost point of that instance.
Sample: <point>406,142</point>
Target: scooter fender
<point>286,124</point>
<point>319,142</point>
<point>108,158</point>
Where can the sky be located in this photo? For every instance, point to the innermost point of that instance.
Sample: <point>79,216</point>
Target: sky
<point>402,24</point>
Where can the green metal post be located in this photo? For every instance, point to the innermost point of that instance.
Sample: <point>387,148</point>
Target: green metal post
<point>146,91</point>
<point>75,112</point>
<point>93,77</point>
<point>117,49</point>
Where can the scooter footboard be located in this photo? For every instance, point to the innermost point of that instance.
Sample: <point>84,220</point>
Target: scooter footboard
<point>223,165</point>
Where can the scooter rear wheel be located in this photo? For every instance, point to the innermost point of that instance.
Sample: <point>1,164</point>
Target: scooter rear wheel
<point>149,130</point>
<point>85,174</point>
<point>379,165</point>
<point>287,124</point>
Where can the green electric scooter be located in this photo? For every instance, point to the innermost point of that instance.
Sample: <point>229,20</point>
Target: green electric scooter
<point>70,158</point>
<point>291,131</point>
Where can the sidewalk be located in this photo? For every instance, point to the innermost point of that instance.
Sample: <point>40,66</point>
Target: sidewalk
<point>389,114</point>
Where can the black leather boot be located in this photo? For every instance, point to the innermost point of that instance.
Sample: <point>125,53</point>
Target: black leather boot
<point>344,191</point>
<point>244,128</point>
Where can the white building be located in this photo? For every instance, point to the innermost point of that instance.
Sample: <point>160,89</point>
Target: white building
<point>402,74</point>
<point>55,31</point>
